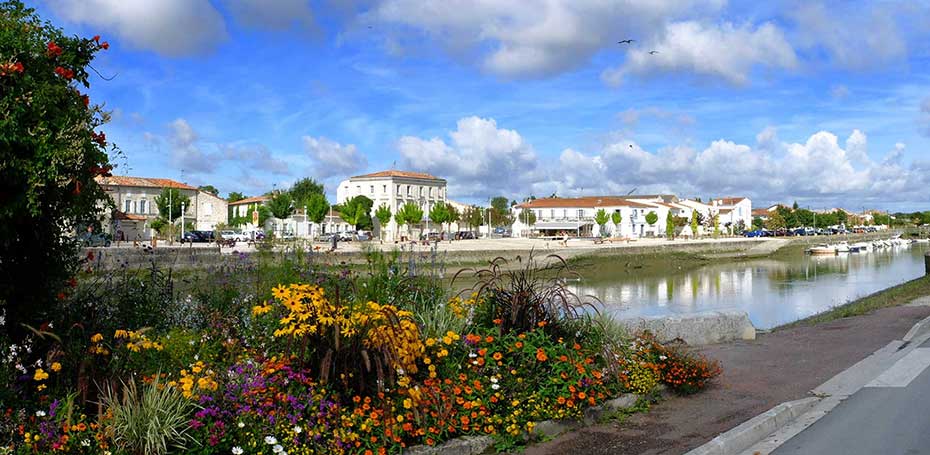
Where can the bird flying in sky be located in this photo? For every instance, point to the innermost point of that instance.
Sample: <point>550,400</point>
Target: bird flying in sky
<point>626,41</point>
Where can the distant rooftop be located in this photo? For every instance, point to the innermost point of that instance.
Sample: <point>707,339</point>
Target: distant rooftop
<point>147,182</point>
<point>394,173</point>
<point>587,201</point>
<point>250,200</point>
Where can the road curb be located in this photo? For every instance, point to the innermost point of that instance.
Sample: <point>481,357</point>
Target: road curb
<point>753,430</point>
<point>918,329</point>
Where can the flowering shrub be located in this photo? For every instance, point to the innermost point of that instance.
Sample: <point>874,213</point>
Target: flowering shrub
<point>347,342</point>
<point>682,371</point>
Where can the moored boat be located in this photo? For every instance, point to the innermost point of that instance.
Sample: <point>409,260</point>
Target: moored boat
<point>822,250</point>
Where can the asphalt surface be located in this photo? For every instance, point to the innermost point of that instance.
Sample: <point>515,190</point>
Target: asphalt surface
<point>888,416</point>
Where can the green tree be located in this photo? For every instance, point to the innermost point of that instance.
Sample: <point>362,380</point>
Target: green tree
<point>794,206</point>
<point>317,207</point>
<point>281,205</point>
<point>775,221</point>
<point>169,204</point>
<point>383,214</point>
<point>616,218</point>
<point>500,212</point>
<point>528,217</point>
<point>357,212</point>
<point>303,189</point>
<point>51,151</point>
<point>757,223</point>
<point>209,189</point>
<point>652,218</point>
<point>439,214</point>
<point>670,226</point>
<point>473,217</point>
<point>234,196</point>
<point>716,221</point>
<point>694,223</point>
<point>601,218</point>
<point>408,214</point>
<point>454,215</point>
<point>499,203</point>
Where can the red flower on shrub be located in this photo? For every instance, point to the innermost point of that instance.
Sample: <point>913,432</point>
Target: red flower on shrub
<point>86,100</point>
<point>64,72</point>
<point>105,45</point>
<point>99,138</point>
<point>53,49</point>
<point>18,67</point>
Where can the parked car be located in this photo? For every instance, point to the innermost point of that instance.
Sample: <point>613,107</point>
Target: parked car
<point>89,239</point>
<point>466,235</point>
<point>363,236</point>
<point>823,231</point>
<point>234,236</point>
<point>326,238</point>
<point>191,237</point>
<point>347,236</point>
<point>206,236</point>
<point>502,231</point>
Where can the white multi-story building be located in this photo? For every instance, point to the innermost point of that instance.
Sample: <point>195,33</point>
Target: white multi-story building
<point>134,199</point>
<point>575,216</point>
<point>394,189</point>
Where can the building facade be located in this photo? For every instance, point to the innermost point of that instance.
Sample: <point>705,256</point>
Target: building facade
<point>394,189</point>
<point>135,207</point>
<point>575,217</point>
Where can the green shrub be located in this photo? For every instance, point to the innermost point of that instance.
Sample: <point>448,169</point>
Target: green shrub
<point>150,421</point>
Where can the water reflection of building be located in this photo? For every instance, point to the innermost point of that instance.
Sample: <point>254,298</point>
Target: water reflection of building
<point>772,291</point>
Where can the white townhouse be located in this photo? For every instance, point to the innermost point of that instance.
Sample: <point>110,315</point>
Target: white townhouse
<point>733,211</point>
<point>248,209</point>
<point>575,216</point>
<point>394,189</point>
<point>135,207</point>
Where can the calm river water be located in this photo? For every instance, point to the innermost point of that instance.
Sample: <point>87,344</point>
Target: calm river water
<point>772,291</point>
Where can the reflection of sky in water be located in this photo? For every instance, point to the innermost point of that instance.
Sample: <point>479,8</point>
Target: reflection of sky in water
<point>773,292</point>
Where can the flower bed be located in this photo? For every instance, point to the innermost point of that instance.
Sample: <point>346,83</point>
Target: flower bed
<point>330,360</point>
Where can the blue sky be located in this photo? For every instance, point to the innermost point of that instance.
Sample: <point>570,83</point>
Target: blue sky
<point>827,103</point>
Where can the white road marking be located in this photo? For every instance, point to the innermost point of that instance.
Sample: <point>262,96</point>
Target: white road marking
<point>905,370</point>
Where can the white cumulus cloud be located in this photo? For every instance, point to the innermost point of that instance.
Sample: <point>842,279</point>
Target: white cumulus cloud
<point>724,51</point>
<point>479,159</point>
<point>331,158</point>
<point>169,27</point>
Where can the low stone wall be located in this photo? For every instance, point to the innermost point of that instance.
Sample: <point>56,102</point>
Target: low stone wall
<point>165,257</point>
<point>696,329</point>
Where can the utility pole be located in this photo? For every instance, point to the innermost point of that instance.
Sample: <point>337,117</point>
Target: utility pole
<point>170,220</point>
<point>182,220</point>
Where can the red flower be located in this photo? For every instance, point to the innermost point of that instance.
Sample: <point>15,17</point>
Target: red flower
<point>53,49</point>
<point>99,138</point>
<point>72,282</point>
<point>97,38</point>
<point>64,72</point>
<point>86,100</point>
<point>18,67</point>
<point>105,45</point>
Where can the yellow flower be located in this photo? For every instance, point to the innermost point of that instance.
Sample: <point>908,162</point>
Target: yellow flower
<point>56,367</point>
<point>121,334</point>
<point>40,375</point>
<point>96,338</point>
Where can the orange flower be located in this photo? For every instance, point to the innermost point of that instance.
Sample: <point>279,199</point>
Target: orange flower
<point>498,321</point>
<point>541,355</point>
<point>489,339</point>
<point>497,356</point>
<point>519,345</point>
<point>541,324</point>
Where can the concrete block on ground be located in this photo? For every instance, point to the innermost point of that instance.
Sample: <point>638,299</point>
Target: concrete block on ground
<point>552,428</point>
<point>755,429</point>
<point>465,445</point>
<point>696,329</point>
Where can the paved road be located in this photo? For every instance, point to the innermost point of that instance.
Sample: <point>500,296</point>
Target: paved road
<point>890,416</point>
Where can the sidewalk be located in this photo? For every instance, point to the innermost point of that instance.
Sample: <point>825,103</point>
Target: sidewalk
<point>757,375</point>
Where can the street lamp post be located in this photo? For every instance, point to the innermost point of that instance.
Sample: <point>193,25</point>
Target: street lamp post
<point>182,220</point>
